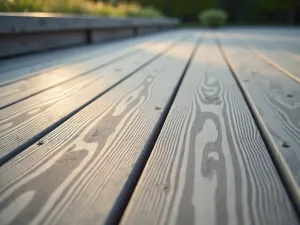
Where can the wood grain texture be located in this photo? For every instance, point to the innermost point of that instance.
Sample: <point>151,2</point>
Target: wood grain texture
<point>27,119</point>
<point>209,164</point>
<point>17,91</point>
<point>75,176</point>
<point>276,101</point>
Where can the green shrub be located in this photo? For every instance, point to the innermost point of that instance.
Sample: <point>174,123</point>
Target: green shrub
<point>79,7</point>
<point>3,7</point>
<point>64,6</point>
<point>106,9</point>
<point>131,9</point>
<point>213,17</point>
<point>146,12</point>
<point>21,5</point>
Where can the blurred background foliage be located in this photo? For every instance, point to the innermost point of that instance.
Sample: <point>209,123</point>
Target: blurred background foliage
<point>103,8</point>
<point>241,12</point>
<point>213,17</point>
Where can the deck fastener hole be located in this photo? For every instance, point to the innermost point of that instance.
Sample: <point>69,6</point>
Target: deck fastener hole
<point>41,142</point>
<point>285,145</point>
<point>166,187</point>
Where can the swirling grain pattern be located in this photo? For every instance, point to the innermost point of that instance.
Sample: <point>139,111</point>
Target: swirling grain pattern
<point>276,99</point>
<point>75,176</point>
<point>45,79</point>
<point>209,164</point>
<point>30,117</point>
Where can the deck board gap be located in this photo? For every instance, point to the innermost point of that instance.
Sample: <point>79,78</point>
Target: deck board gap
<point>125,195</point>
<point>270,146</point>
<point>132,53</point>
<point>275,65</point>
<point>43,133</point>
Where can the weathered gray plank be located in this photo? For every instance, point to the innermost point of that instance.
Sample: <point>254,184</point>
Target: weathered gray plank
<point>275,99</point>
<point>281,61</point>
<point>27,119</point>
<point>14,92</point>
<point>34,62</point>
<point>22,67</point>
<point>286,38</point>
<point>272,53</point>
<point>76,175</point>
<point>293,54</point>
<point>209,164</point>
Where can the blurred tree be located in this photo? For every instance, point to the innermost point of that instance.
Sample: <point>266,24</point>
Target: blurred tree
<point>286,9</point>
<point>241,11</point>
<point>186,10</point>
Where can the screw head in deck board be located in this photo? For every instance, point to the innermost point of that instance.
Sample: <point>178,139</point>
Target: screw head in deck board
<point>41,142</point>
<point>285,145</point>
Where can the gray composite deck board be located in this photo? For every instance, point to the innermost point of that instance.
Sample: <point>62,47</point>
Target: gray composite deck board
<point>209,164</point>
<point>36,62</point>
<point>275,99</point>
<point>76,129</point>
<point>27,119</point>
<point>29,65</point>
<point>276,52</point>
<point>76,174</point>
<point>287,39</point>
<point>14,92</point>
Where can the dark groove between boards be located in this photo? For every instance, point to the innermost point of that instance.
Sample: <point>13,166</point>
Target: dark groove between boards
<point>57,67</point>
<point>43,133</point>
<point>120,205</point>
<point>280,168</point>
<point>66,47</point>
<point>134,52</point>
<point>70,47</point>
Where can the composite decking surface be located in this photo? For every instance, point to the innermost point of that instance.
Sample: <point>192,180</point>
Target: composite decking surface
<point>182,127</point>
